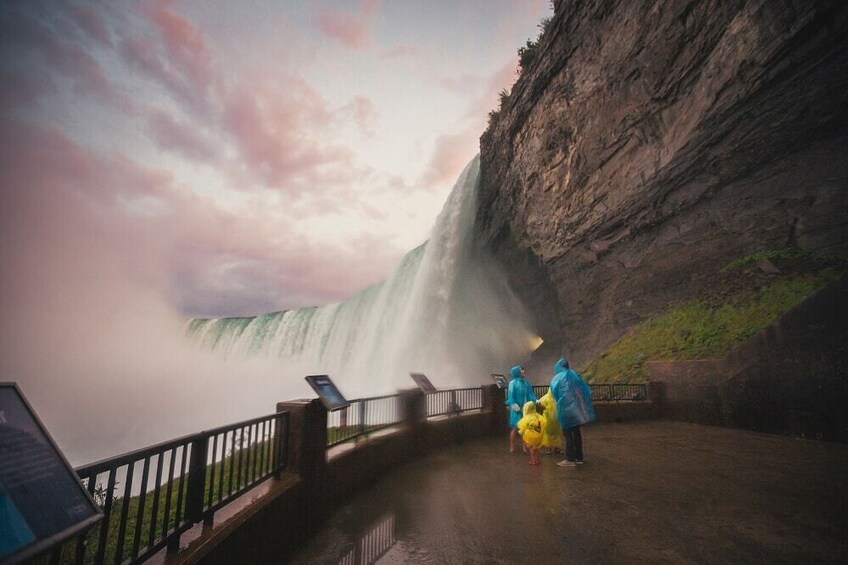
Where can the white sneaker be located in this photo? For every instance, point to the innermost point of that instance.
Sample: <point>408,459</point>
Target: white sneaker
<point>566,463</point>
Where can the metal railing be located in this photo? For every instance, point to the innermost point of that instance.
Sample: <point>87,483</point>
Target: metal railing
<point>151,496</point>
<point>454,401</point>
<point>361,417</point>
<point>367,415</point>
<point>620,392</point>
<point>608,392</point>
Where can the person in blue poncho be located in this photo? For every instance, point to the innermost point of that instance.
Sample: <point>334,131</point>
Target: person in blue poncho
<point>574,408</point>
<point>519,393</point>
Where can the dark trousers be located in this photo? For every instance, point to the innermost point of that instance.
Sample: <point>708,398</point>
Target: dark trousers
<point>573,444</point>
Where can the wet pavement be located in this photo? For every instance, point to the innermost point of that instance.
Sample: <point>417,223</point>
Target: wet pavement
<point>650,492</point>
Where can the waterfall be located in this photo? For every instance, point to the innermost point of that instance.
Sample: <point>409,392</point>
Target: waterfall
<point>446,311</point>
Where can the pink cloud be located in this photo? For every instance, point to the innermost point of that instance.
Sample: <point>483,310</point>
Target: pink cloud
<point>354,31</point>
<point>180,137</point>
<point>364,113</point>
<point>175,55</point>
<point>272,131</point>
<point>489,98</point>
<point>60,201</point>
<point>184,43</point>
<point>90,21</point>
<point>401,51</point>
<point>450,156</point>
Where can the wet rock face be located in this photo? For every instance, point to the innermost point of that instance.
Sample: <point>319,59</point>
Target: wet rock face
<point>650,143</point>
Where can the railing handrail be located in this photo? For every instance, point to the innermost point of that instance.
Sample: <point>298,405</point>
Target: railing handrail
<point>124,458</point>
<point>191,477</point>
<point>252,451</point>
<point>597,388</point>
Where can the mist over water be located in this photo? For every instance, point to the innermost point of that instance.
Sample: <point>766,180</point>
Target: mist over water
<point>107,364</point>
<point>445,312</point>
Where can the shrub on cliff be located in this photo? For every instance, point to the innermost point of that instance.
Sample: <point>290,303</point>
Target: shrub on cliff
<point>749,294</point>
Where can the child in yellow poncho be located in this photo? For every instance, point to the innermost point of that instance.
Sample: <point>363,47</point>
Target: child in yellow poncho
<point>531,427</point>
<point>552,434</point>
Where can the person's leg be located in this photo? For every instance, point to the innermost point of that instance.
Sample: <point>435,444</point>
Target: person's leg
<point>578,445</point>
<point>512,433</point>
<point>569,449</point>
<point>570,446</point>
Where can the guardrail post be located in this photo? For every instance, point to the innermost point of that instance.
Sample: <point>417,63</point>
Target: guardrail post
<point>493,401</point>
<point>307,454</point>
<point>656,396</point>
<point>196,480</point>
<point>413,416</point>
<point>281,442</point>
<point>362,416</point>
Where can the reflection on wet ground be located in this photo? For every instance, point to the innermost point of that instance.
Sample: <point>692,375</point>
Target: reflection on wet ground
<point>652,492</point>
<point>369,548</point>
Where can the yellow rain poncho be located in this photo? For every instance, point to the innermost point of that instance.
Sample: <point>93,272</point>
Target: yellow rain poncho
<point>531,426</point>
<point>552,434</point>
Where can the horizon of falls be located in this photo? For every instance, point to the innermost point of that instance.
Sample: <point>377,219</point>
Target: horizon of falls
<point>446,311</point>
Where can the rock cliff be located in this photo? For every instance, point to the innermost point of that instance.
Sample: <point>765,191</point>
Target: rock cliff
<point>650,143</point>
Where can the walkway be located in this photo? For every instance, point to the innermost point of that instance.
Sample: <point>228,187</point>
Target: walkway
<point>652,492</point>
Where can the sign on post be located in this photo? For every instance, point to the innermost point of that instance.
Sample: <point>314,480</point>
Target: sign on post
<point>423,382</point>
<point>42,502</point>
<point>327,392</point>
<point>499,379</point>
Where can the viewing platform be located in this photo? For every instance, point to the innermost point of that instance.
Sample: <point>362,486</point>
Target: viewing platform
<point>649,492</point>
<point>420,477</point>
<point>446,490</point>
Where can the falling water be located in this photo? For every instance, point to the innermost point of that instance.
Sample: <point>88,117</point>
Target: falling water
<point>446,311</point>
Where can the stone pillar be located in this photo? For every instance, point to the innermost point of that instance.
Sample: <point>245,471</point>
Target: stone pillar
<point>493,403</point>
<point>307,454</point>
<point>413,416</point>
<point>656,396</point>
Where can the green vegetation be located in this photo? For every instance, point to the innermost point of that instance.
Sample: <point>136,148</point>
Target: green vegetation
<point>746,297</point>
<point>788,253</point>
<point>527,55</point>
<point>231,474</point>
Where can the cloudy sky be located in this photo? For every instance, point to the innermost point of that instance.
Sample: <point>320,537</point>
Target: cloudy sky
<point>231,158</point>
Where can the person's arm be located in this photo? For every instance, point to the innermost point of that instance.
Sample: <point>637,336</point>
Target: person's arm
<point>511,401</point>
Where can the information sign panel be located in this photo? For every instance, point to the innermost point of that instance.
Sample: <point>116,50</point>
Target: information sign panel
<point>499,379</point>
<point>42,502</point>
<point>327,392</point>
<point>423,382</point>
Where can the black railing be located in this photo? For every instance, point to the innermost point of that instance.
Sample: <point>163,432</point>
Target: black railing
<point>182,482</point>
<point>608,392</point>
<point>367,415</point>
<point>151,496</point>
<point>454,401</point>
<point>361,417</point>
<point>620,392</point>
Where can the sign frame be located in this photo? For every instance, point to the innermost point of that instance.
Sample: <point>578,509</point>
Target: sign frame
<point>327,391</point>
<point>423,382</point>
<point>500,380</point>
<point>39,546</point>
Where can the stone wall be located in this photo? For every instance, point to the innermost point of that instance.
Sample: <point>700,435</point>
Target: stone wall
<point>651,143</point>
<point>791,378</point>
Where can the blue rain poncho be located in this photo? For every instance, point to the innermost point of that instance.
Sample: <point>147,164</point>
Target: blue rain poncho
<point>573,396</point>
<point>531,426</point>
<point>518,394</point>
